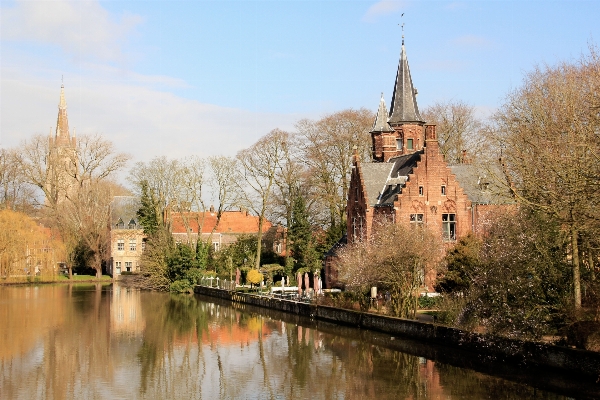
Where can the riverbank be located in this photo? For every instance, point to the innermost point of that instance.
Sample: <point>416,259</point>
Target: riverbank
<point>579,363</point>
<point>35,280</point>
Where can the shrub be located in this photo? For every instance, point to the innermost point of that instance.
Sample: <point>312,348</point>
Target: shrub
<point>254,276</point>
<point>181,286</point>
<point>194,275</point>
<point>426,302</point>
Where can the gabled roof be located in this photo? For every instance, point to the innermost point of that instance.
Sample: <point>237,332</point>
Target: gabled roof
<point>404,99</point>
<point>234,222</point>
<point>404,164</point>
<point>381,124</point>
<point>482,185</point>
<point>375,175</point>
<point>383,181</point>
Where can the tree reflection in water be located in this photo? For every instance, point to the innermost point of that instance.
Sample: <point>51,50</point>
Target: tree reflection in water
<point>90,342</point>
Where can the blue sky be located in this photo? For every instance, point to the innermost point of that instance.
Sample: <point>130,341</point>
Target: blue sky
<point>180,78</point>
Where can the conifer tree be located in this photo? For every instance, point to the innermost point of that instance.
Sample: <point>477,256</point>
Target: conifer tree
<point>148,212</point>
<point>303,248</point>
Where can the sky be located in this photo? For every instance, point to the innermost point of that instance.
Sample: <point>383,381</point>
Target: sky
<point>181,78</point>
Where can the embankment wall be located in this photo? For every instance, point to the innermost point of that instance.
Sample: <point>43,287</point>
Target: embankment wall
<point>574,361</point>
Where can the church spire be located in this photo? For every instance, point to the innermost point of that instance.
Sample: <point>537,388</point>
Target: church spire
<point>62,122</point>
<point>404,99</point>
<point>381,120</point>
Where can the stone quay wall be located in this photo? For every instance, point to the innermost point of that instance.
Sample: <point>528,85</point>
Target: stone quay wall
<point>574,361</point>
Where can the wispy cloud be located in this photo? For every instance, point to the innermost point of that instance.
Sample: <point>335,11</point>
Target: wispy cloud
<point>83,29</point>
<point>139,119</point>
<point>382,7</point>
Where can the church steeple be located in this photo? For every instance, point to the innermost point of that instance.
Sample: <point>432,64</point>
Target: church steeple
<point>62,157</point>
<point>404,99</point>
<point>62,135</point>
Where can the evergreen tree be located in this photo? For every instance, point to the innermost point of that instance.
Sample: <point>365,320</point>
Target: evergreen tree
<point>202,253</point>
<point>462,262</point>
<point>301,238</point>
<point>148,213</point>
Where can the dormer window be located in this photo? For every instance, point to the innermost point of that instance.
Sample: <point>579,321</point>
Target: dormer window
<point>120,224</point>
<point>131,224</point>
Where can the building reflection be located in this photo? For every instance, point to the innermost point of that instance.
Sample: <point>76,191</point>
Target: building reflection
<point>94,342</point>
<point>126,315</point>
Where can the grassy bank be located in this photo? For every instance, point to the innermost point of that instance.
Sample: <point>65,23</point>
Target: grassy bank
<point>24,279</point>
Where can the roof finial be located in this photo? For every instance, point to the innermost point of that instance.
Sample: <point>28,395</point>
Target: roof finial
<point>401,16</point>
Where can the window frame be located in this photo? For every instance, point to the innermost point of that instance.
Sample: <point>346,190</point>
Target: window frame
<point>449,227</point>
<point>417,219</point>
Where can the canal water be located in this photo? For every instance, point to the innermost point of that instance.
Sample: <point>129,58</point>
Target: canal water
<point>110,342</point>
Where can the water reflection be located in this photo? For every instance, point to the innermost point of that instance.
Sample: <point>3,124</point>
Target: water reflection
<point>112,342</point>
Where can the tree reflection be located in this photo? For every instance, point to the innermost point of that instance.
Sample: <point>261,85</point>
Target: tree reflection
<point>83,342</point>
<point>58,340</point>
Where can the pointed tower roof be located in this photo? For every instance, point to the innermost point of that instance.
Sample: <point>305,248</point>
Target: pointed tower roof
<point>62,122</point>
<point>381,120</point>
<point>404,100</point>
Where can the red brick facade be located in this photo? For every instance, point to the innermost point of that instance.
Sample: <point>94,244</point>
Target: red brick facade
<point>409,181</point>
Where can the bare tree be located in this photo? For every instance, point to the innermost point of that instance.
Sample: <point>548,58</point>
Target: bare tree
<point>223,180</point>
<point>327,148</point>
<point>178,186</point>
<point>73,184</point>
<point>158,173</point>
<point>15,193</point>
<point>396,258</point>
<point>85,217</point>
<point>259,165</point>
<point>549,129</point>
<point>93,159</point>
<point>457,128</point>
<point>96,159</point>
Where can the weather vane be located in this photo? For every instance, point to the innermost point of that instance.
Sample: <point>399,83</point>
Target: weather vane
<point>402,26</point>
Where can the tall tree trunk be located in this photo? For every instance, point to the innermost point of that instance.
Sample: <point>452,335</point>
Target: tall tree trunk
<point>98,265</point>
<point>576,273</point>
<point>590,259</point>
<point>261,218</point>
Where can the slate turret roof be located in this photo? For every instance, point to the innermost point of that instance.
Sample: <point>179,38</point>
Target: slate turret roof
<point>381,120</point>
<point>404,100</point>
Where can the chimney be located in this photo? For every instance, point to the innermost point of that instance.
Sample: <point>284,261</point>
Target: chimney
<point>430,133</point>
